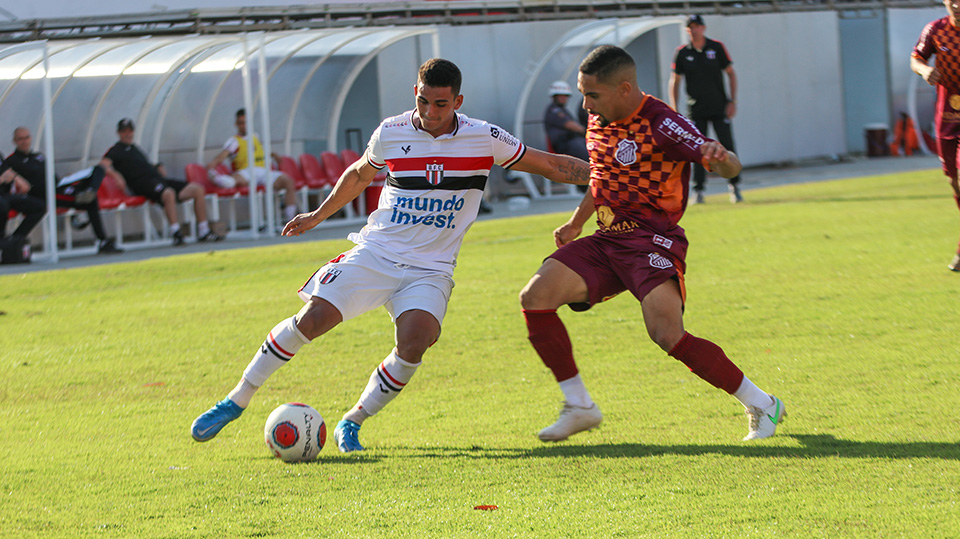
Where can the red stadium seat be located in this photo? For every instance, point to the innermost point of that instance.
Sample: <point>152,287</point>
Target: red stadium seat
<point>332,165</point>
<point>348,157</point>
<point>198,174</point>
<point>112,196</point>
<point>313,173</point>
<point>289,167</point>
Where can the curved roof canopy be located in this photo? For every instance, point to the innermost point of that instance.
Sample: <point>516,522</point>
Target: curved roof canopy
<point>182,91</point>
<point>561,61</point>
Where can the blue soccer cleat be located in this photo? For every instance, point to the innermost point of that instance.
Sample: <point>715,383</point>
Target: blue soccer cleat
<point>346,435</point>
<point>210,422</point>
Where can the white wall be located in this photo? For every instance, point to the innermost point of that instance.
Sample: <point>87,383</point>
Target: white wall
<point>904,27</point>
<point>790,102</point>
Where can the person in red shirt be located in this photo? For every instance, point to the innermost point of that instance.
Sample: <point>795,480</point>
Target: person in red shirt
<point>942,38</point>
<point>640,155</point>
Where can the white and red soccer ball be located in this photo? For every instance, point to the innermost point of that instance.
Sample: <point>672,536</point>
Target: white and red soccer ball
<point>295,432</point>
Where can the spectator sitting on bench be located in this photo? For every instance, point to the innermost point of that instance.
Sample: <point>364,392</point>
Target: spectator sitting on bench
<point>236,149</point>
<point>80,193</point>
<point>131,168</point>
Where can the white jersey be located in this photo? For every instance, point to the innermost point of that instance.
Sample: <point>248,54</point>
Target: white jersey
<point>433,191</point>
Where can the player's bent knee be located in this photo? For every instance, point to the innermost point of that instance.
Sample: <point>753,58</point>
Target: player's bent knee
<point>317,317</point>
<point>665,337</point>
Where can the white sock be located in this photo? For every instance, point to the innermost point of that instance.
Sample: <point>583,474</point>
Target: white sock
<point>750,395</point>
<point>242,394</point>
<point>386,382</point>
<point>203,228</point>
<point>281,344</point>
<point>289,212</point>
<point>174,228</point>
<point>575,393</point>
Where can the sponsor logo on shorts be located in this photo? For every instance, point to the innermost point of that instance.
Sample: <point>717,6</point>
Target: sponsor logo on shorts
<point>330,276</point>
<point>660,240</point>
<point>659,261</point>
<point>627,152</point>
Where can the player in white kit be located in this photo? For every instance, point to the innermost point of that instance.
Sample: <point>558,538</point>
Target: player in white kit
<point>438,162</point>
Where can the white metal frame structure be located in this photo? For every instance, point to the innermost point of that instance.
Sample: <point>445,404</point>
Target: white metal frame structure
<point>170,86</point>
<point>561,60</point>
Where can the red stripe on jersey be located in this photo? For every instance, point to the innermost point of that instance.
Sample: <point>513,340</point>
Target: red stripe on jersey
<point>405,164</point>
<point>392,379</point>
<point>512,160</point>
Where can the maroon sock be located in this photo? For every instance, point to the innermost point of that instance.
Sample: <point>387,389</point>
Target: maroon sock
<point>708,361</point>
<point>549,338</point>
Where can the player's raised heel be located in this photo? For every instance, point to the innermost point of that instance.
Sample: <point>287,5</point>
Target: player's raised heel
<point>764,421</point>
<point>346,435</point>
<point>955,263</point>
<point>573,419</point>
<point>208,425</point>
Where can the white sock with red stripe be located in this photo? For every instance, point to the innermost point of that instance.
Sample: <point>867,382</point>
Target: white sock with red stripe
<point>386,382</point>
<point>281,344</point>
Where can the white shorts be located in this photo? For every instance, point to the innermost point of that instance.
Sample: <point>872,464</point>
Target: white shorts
<point>359,281</point>
<point>260,173</point>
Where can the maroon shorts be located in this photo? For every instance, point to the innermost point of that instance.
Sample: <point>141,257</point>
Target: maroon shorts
<point>947,148</point>
<point>638,262</point>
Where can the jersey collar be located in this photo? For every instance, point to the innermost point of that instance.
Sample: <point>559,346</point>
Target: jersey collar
<point>456,125</point>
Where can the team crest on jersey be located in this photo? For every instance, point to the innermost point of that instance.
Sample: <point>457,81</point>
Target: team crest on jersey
<point>711,55</point>
<point>659,261</point>
<point>627,152</point>
<point>330,276</point>
<point>434,173</point>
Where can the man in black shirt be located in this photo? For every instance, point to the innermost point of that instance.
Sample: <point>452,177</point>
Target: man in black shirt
<point>703,62</point>
<point>131,168</point>
<point>81,194</point>
<point>14,196</point>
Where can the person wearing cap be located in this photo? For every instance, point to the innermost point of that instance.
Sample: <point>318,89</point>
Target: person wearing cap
<point>702,63</point>
<point>135,173</point>
<point>236,150</point>
<point>564,132</point>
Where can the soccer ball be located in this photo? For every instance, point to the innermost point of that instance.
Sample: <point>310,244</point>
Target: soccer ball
<point>295,432</point>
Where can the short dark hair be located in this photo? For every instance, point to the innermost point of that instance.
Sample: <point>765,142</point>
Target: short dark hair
<point>440,73</point>
<point>606,60</point>
<point>241,112</point>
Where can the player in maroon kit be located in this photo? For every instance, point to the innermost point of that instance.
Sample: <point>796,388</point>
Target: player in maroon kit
<point>640,154</point>
<point>942,38</point>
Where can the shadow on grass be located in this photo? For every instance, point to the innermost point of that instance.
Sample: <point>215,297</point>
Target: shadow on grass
<point>811,446</point>
<point>841,198</point>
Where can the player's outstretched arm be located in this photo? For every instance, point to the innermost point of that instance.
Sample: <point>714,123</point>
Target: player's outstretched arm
<point>555,167</point>
<point>351,183</point>
<point>721,161</point>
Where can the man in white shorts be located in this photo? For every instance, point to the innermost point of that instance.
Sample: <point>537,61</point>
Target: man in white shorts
<point>439,161</point>
<point>235,148</point>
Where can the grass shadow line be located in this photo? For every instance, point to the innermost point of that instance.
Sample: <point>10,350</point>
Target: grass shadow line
<point>811,446</point>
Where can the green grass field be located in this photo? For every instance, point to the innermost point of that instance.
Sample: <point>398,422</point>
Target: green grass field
<point>834,296</point>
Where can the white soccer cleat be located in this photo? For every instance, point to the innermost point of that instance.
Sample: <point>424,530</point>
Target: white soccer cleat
<point>764,421</point>
<point>573,419</point>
